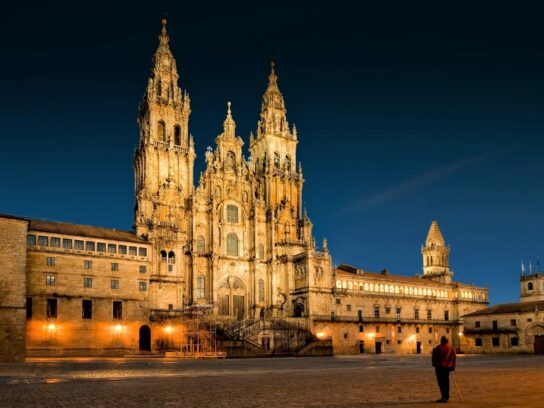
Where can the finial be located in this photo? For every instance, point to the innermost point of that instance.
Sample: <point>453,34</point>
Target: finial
<point>164,35</point>
<point>272,77</point>
<point>228,108</point>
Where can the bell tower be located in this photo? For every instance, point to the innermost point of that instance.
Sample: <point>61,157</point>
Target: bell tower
<point>164,158</point>
<point>163,173</point>
<point>273,157</point>
<point>436,256</point>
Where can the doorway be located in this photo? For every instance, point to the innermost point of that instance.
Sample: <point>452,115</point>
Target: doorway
<point>361,346</point>
<point>539,344</point>
<point>299,310</point>
<point>378,347</point>
<point>418,347</point>
<point>145,338</point>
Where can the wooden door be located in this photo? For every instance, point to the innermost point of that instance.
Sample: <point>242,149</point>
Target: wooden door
<point>539,344</point>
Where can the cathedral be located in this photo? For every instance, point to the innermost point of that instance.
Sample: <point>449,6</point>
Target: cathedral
<point>229,260</point>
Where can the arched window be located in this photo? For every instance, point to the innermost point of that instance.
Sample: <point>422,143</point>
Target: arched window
<point>276,160</point>
<point>177,135</point>
<point>287,163</point>
<point>163,256</point>
<point>161,131</point>
<point>260,251</point>
<point>261,290</point>
<point>232,214</point>
<point>232,245</point>
<point>159,88</point>
<point>530,286</point>
<point>171,257</point>
<point>200,245</point>
<point>201,287</point>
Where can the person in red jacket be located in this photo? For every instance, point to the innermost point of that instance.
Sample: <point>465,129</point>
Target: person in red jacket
<point>444,361</point>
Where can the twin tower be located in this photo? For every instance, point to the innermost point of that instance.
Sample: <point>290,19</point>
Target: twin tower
<point>232,240</point>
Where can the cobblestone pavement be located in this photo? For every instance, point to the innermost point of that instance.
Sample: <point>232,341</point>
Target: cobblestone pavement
<point>358,381</point>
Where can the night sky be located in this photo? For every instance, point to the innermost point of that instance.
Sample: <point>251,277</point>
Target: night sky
<point>406,112</point>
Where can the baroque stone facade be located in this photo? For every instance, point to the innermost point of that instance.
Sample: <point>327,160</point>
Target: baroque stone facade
<point>235,252</point>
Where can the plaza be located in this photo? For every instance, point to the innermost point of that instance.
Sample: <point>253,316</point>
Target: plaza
<point>342,381</point>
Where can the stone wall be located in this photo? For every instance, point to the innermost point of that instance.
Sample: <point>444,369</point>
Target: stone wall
<point>12,288</point>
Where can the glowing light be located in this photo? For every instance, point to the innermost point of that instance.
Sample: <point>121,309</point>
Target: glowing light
<point>412,337</point>
<point>117,328</point>
<point>371,335</point>
<point>51,327</point>
<point>168,329</point>
<point>321,335</point>
<point>460,333</point>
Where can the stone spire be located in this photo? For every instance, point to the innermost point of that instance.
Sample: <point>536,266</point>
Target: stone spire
<point>229,126</point>
<point>273,113</point>
<point>436,256</point>
<point>435,236</point>
<point>163,82</point>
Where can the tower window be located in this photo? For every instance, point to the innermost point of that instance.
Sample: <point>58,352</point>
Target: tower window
<point>232,214</point>
<point>261,290</point>
<point>161,131</point>
<point>232,245</point>
<point>177,135</point>
<point>200,245</point>
<point>200,287</point>
<point>530,286</point>
<point>276,160</point>
<point>287,163</point>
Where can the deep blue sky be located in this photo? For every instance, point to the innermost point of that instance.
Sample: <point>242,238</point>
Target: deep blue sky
<point>406,112</point>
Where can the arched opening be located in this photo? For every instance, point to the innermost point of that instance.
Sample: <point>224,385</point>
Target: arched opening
<point>177,135</point>
<point>201,287</point>
<point>287,163</point>
<point>161,131</point>
<point>163,256</point>
<point>231,296</point>
<point>145,338</point>
<point>232,245</point>
<point>530,286</point>
<point>299,310</point>
<point>171,257</point>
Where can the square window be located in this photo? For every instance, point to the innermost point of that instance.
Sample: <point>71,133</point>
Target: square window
<point>399,329</point>
<point>101,247</point>
<point>348,307</point>
<point>50,261</point>
<point>529,320</point>
<point>115,283</point>
<point>114,266</point>
<point>430,329</point>
<point>399,341</point>
<point>429,314</point>
<point>387,309</point>
<point>43,241</point>
<point>86,309</point>
<point>417,329</point>
<point>142,251</point>
<point>143,269</point>
<point>496,342</point>
<point>31,240</point>
<point>477,325</point>
<point>376,312</point>
<point>338,301</point>
<point>123,249</point>
<point>112,248</point>
<point>512,322</point>
<point>87,282</point>
<point>50,280</point>
<point>514,341</point>
<point>416,314</point>
<point>90,246</point>
<point>55,242</point>
<point>67,243</point>
<point>132,251</point>
<point>478,342</point>
<point>79,245</point>
<point>142,286</point>
<point>87,264</point>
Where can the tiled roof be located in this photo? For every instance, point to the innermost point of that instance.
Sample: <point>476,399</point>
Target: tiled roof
<point>398,278</point>
<point>521,307</point>
<point>56,227</point>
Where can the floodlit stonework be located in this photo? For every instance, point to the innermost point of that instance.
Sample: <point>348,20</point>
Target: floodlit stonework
<point>227,264</point>
<point>512,327</point>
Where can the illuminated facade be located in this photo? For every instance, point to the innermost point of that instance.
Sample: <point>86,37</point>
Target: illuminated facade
<point>237,248</point>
